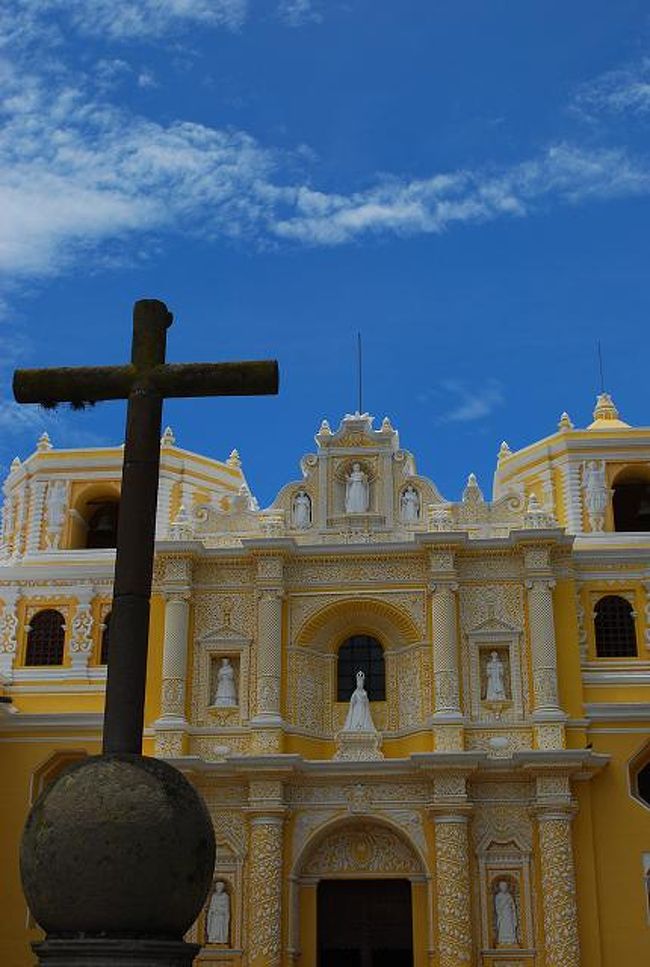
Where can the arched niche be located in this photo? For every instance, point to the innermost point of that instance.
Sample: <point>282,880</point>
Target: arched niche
<point>93,517</point>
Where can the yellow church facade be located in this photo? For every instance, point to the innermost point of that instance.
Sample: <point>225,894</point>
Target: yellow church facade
<point>480,795</point>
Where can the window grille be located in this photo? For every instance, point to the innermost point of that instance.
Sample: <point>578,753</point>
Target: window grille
<point>361,653</point>
<point>45,638</point>
<point>615,629</point>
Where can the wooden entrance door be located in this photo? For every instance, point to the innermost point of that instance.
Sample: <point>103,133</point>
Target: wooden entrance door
<point>365,923</point>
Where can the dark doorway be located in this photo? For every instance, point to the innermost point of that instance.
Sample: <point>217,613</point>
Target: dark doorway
<point>365,923</point>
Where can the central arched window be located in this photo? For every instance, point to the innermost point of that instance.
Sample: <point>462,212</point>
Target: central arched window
<point>45,638</point>
<point>615,628</point>
<point>361,653</point>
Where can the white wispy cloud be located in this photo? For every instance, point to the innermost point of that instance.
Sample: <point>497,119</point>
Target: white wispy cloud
<point>468,404</point>
<point>296,13</point>
<point>622,91</point>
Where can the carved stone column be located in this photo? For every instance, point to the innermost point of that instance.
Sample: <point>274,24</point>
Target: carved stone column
<point>561,941</point>
<point>546,703</point>
<point>81,634</point>
<point>36,491</point>
<point>447,716</point>
<point>8,629</point>
<point>265,877</point>
<point>172,724</point>
<point>270,593</point>
<point>453,897</point>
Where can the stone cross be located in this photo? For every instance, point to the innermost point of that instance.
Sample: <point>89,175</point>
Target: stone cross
<point>145,383</point>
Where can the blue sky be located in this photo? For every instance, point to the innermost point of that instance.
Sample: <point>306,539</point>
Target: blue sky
<point>466,183</point>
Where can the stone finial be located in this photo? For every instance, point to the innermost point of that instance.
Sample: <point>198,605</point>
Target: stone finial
<point>234,460</point>
<point>386,425</point>
<point>606,415</point>
<point>565,423</point>
<point>44,442</point>
<point>168,439</point>
<point>15,465</point>
<point>504,451</point>
<point>472,492</point>
<point>325,428</point>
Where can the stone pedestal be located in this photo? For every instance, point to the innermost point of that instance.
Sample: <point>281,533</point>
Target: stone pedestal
<point>98,952</point>
<point>117,859</point>
<point>361,746</point>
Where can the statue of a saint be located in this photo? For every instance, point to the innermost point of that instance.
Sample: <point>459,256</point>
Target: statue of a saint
<point>505,916</point>
<point>56,506</point>
<point>596,493</point>
<point>218,920</point>
<point>301,510</point>
<point>226,694</point>
<point>495,674</point>
<point>410,505</point>
<point>356,491</point>
<point>359,718</point>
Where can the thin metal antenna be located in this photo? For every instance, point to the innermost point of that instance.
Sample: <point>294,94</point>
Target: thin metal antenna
<point>600,367</point>
<point>360,372</point>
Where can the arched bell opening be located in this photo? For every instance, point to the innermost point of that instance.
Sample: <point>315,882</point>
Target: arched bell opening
<point>631,500</point>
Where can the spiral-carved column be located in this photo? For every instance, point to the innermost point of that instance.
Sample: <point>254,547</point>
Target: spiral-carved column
<point>561,941</point>
<point>454,917</point>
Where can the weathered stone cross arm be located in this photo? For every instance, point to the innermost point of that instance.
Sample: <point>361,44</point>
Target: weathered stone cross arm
<point>144,383</point>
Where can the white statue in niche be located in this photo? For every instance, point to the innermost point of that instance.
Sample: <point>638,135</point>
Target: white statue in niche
<point>410,505</point>
<point>356,491</point>
<point>359,718</point>
<point>301,510</point>
<point>226,694</point>
<point>596,493</point>
<point>506,920</point>
<point>56,506</point>
<point>495,673</point>
<point>218,920</point>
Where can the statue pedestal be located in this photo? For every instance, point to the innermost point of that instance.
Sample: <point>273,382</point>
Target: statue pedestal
<point>111,952</point>
<point>360,746</point>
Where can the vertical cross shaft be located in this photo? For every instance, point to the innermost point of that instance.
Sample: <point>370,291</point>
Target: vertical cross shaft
<point>127,668</point>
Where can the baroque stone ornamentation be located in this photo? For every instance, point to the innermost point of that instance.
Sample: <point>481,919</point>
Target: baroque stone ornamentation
<point>362,848</point>
<point>265,891</point>
<point>453,891</point>
<point>562,945</point>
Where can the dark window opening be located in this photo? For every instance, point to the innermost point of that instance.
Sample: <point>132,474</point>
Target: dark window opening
<point>102,525</point>
<point>631,504</point>
<point>45,639</point>
<point>615,628</point>
<point>643,783</point>
<point>106,630</point>
<point>361,653</point>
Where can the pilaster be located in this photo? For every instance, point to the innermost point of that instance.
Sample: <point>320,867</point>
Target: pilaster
<point>548,716</point>
<point>8,629</point>
<point>266,821</point>
<point>450,813</point>
<point>447,718</point>
<point>267,723</point>
<point>171,727</point>
<point>36,490</point>
<point>81,634</point>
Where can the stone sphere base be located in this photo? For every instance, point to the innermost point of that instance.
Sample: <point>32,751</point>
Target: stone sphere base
<point>82,952</point>
<point>119,846</point>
